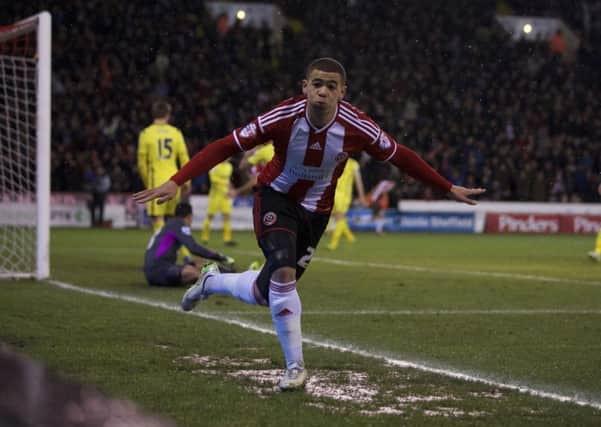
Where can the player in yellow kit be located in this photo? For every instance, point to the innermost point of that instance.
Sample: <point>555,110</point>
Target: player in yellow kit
<point>220,201</point>
<point>343,199</point>
<point>595,254</point>
<point>161,151</point>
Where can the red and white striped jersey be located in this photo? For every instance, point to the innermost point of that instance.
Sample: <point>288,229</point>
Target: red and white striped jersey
<point>308,161</point>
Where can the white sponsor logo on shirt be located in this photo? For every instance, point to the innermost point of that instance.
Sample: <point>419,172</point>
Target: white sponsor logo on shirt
<point>315,146</point>
<point>308,172</point>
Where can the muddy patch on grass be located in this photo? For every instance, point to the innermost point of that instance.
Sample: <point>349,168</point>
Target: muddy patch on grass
<point>342,391</point>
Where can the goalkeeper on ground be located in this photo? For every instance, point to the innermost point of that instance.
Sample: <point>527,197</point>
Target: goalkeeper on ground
<point>160,267</point>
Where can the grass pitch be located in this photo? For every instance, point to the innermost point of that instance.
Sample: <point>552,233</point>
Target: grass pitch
<point>502,310</point>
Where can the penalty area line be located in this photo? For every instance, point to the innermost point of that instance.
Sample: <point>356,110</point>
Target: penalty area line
<point>344,348</point>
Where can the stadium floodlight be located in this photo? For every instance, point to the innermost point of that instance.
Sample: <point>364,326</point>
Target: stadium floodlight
<point>25,74</point>
<point>527,28</point>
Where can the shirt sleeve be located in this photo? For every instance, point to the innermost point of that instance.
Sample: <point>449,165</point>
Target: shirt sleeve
<point>382,148</point>
<point>385,148</point>
<point>205,159</point>
<point>268,125</point>
<point>250,135</point>
<point>411,163</point>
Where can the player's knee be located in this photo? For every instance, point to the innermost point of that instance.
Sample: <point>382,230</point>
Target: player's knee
<point>279,266</point>
<point>281,259</point>
<point>284,275</point>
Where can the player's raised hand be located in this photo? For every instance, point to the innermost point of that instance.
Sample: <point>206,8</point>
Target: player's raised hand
<point>163,193</point>
<point>462,194</point>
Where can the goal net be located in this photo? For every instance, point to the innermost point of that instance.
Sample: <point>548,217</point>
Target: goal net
<point>25,54</point>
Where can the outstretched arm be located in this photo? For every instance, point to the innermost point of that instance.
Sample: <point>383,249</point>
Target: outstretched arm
<point>411,163</point>
<point>202,162</point>
<point>184,235</point>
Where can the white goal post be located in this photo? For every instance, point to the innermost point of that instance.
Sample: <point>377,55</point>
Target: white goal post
<point>25,111</point>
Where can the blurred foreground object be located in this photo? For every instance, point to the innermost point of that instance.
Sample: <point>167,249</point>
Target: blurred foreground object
<point>31,395</point>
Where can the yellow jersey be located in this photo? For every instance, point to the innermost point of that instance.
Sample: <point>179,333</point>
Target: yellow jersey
<point>346,180</point>
<point>161,152</point>
<point>220,177</point>
<point>263,154</point>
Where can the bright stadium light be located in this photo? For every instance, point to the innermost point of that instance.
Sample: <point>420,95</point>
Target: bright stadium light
<point>527,28</point>
<point>241,14</point>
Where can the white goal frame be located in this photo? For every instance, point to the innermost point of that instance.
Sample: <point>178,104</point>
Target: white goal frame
<point>42,23</point>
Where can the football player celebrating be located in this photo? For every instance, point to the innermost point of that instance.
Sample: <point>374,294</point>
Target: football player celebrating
<point>313,136</point>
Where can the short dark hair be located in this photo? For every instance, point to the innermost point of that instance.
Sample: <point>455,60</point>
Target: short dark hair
<point>160,109</point>
<point>183,209</point>
<point>329,65</point>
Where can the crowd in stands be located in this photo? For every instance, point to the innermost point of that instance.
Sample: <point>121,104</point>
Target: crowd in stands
<point>441,77</point>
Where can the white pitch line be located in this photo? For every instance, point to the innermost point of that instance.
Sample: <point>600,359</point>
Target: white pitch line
<point>415,268</point>
<point>345,348</point>
<point>430,312</point>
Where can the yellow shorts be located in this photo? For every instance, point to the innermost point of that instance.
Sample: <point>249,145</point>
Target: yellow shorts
<point>168,208</point>
<point>219,204</point>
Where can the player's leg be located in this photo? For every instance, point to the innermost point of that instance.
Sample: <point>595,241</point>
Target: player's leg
<point>339,203</point>
<point>165,275</point>
<point>279,275</point>
<point>278,225</point>
<point>338,230</point>
<point>156,213</point>
<point>346,231</point>
<point>212,210</point>
<point>381,205</point>
<point>285,302</point>
<point>595,254</point>
<point>226,210</point>
<point>311,230</point>
<point>190,274</point>
<point>238,285</point>
<point>206,228</point>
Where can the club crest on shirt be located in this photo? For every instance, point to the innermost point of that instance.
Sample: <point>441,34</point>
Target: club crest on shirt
<point>269,218</point>
<point>248,130</point>
<point>384,142</point>
<point>341,157</point>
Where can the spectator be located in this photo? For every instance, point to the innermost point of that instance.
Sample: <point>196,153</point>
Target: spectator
<point>101,185</point>
<point>443,74</point>
<point>558,44</point>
